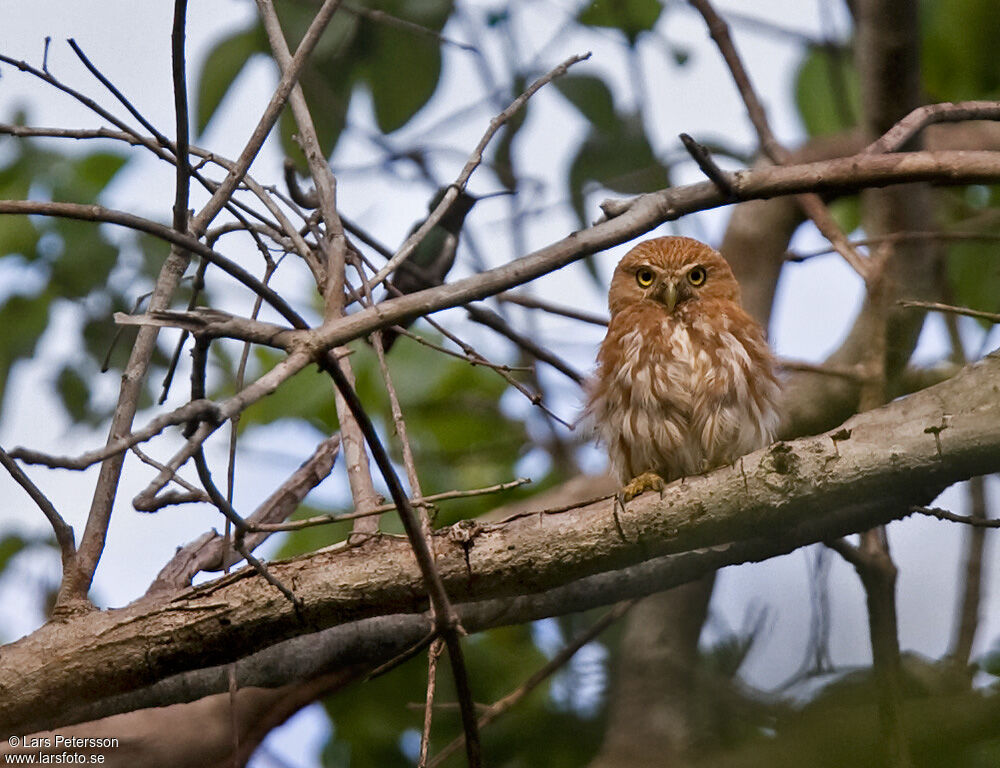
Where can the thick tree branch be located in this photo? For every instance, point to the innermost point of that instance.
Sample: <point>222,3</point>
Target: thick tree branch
<point>628,218</point>
<point>770,502</point>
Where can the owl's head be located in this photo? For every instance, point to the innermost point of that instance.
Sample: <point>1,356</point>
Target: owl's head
<point>673,273</point>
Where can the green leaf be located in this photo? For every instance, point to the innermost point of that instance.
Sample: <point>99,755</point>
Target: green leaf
<point>630,16</point>
<point>85,261</point>
<point>592,97</point>
<point>91,174</point>
<point>23,320</point>
<point>74,393</point>
<point>622,160</point>
<point>10,546</point>
<point>307,396</point>
<point>960,43</point>
<point>223,65</point>
<point>402,68</point>
<point>827,92</point>
<point>974,273</point>
<point>17,234</point>
<point>335,96</point>
<point>847,213</point>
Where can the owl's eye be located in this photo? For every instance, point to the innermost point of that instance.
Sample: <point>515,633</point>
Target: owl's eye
<point>644,277</point>
<point>697,275</point>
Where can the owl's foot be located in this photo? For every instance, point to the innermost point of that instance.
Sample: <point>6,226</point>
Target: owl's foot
<point>647,481</point>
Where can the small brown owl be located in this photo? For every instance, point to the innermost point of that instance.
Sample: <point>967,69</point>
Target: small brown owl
<point>685,380</point>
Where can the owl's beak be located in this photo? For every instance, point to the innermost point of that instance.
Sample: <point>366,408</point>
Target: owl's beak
<point>668,294</point>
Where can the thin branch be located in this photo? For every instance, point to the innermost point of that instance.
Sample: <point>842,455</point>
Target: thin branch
<point>63,531</point>
<point>159,145</point>
<point>897,237</point>
<point>928,114</point>
<point>99,213</point>
<point>532,303</point>
<point>934,306</point>
<point>197,409</point>
<point>472,360</point>
<point>944,514</point>
<point>381,17</point>
<point>223,505</point>
<point>178,71</point>
<point>198,495</point>
<point>971,584</point>
<point>492,320</point>
<point>469,354</point>
<point>855,373</point>
<point>445,620</point>
<point>708,166</point>
<point>420,501</point>
<point>333,247</point>
<point>211,553</point>
<point>289,78</point>
<point>425,735</point>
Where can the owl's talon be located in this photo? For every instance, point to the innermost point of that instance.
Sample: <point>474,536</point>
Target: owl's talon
<point>647,481</point>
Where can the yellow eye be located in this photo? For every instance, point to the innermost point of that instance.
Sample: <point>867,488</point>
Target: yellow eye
<point>697,275</point>
<point>644,277</point>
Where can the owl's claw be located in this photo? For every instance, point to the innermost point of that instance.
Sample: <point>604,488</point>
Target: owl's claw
<point>647,481</point>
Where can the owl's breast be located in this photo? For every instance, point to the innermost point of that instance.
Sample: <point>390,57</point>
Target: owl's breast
<point>676,396</point>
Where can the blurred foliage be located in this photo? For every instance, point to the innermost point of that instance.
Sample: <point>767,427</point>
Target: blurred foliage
<point>631,17</point>
<point>459,432</point>
<point>52,261</point>
<point>616,151</point>
<point>368,724</point>
<point>399,68</point>
<point>948,725</point>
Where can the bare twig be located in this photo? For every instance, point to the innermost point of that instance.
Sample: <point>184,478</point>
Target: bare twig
<point>210,552</point>
<point>289,78</point>
<point>532,303</point>
<point>240,525</point>
<point>333,247</point>
<point>708,166</point>
<point>420,501</point>
<point>472,360</point>
<point>944,514</point>
<point>388,19</point>
<point>928,114</point>
<point>199,409</point>
<point>934,306</point>
<point>897,237</point>
<point>98,213</point>
<point>63,531</point>
<point>197,495</point>
<point>425,736</point>
<point>854,373</point>
<point>492,320</point>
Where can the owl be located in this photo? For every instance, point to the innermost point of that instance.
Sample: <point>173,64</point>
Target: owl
<point>685,380</point>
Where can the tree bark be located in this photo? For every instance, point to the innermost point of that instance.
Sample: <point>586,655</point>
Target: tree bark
<point>770,502</point>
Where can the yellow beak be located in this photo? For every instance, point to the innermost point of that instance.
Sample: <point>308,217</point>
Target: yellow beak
<point>668,294</point>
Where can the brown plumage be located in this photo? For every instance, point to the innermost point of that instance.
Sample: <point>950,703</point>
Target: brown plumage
<point>685,380</point>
